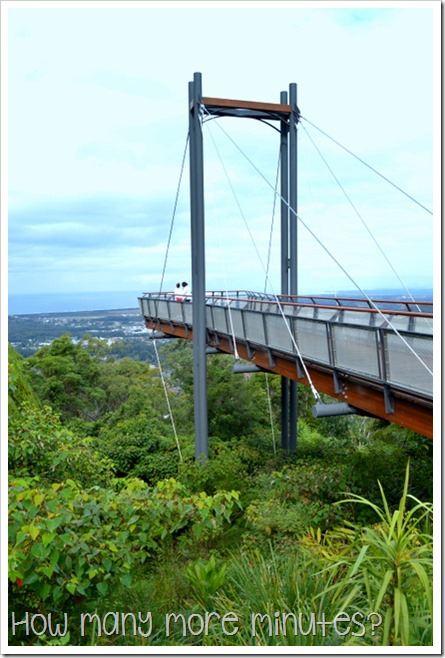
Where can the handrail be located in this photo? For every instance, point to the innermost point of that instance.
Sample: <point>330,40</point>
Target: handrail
<point>257,298</point>
<point>350,356</point>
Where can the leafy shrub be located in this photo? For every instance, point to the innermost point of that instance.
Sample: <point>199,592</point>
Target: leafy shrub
<point>206,578</point>
<point>159,465</point>
<point>138,449</point>
<point>289,501</point>
<point>223,470</point>
<point>66,543</point>
<point>369,465</point>
<point>128,442</point>
<point>39,445</point>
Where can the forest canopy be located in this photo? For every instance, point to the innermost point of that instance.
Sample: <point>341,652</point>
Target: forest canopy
<point>110,511</point>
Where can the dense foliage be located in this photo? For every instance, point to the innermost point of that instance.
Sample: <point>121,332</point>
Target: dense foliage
<point>109,511</point>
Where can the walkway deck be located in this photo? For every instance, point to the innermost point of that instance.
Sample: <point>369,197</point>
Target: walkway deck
<point>353,352</point>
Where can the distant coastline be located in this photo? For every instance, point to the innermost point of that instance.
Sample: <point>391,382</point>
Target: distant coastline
<point>71,302</point>
<point>100,301</point>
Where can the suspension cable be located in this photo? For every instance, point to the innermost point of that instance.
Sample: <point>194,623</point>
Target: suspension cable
<point>158,360</point>
<point>229,302</point>
<point>298,217</point>
<point>226,292</point>
<point>297,349</point>
<point>174,210</point>
<point>269,251</point>
<point>367,165</point>
<point>269,405</point>
<point>170,413</point>
<point>361,218</point>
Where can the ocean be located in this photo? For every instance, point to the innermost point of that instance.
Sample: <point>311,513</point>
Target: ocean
<point>104,301</point>
<point>71,302</point>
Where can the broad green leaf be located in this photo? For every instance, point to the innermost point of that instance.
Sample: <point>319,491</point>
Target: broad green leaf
<point>53,524</point>
<point>359,560</point>
<point>38,498</point>
<point>126,579</point>
<point>44,591</point>
<point>32,530</point>
<point>71,587</point>
<point>387,625</point>
<point>102,588</point>
<point>48,571</point>
<point>47,537</point>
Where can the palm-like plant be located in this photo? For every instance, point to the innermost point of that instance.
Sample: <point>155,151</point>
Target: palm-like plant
<point>391,564</point>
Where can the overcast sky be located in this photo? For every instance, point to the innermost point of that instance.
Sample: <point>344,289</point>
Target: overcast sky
<point>97,121</point>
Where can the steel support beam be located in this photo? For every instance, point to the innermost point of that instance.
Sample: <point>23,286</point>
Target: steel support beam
<point>198,268</point>
<point>284,186</point>
<point>293,247</point>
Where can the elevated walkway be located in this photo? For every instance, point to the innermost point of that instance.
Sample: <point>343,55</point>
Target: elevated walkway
<point>378,361</point>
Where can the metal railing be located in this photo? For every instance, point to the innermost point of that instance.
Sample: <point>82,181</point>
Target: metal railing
<point>345,334</point>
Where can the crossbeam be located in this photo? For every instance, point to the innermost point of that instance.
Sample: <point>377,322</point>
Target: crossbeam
<point>224,106</point>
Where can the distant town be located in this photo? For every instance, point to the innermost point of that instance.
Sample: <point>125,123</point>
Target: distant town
<point>124,330</point>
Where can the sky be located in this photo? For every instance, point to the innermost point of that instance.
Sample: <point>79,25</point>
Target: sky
<point>95,121</point>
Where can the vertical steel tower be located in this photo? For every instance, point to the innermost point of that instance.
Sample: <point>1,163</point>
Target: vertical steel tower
<point>287,114</point>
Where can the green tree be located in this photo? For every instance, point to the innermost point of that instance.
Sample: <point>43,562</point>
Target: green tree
<point>19,387</point>
<point>39,444</point>
<point>237,403</point>
<point>65,376</point>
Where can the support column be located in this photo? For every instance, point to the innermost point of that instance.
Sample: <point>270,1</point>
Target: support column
<point>293,246</point>
<point>284,190</point>
<point>198,268</point>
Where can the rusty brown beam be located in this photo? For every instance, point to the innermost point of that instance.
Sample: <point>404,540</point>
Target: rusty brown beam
<point>282,108</point>
<point>413,413</point>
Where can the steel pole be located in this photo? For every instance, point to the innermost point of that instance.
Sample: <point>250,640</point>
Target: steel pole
<point>284,190</point>
<point>198,268</point>
<point>293,245</point>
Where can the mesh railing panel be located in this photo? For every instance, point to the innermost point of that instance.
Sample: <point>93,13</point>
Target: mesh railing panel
<point>356,349</point>
<point>311,338</point>
<point>326,314</point>
<point>253,323</point>
<point>423,325</point>
<point>218,318</point>
<point>162,310</point>
<point>401,323</point>
<point>237,323</point>
<point>360,318</point>
<point>176,311</point>
<point>403,368</point>
<point>188,312</point>
<point>278,335</point>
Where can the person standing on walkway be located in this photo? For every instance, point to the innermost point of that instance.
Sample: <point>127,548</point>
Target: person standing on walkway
<point>179,293</point>
<point>186,291</point>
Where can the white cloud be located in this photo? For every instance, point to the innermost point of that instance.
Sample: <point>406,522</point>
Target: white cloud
<point>98,119</point>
